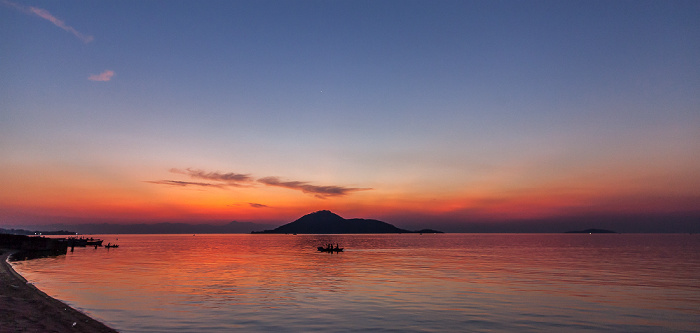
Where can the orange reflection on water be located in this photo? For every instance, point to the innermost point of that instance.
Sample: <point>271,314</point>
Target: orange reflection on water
<point>441,282</point>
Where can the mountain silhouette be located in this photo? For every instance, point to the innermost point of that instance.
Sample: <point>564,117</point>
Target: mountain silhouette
<point>158,228</point>
<point>326,222</point>
<point>592,231</point>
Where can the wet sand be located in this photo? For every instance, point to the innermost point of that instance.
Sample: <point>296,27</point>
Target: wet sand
<point>24,308</point>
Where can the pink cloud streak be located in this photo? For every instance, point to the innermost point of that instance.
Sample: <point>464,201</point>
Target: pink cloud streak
<point>43,13</point>
<point>104,76</point>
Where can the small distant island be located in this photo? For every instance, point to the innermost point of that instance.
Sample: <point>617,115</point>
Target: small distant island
<point>592,231</point>
<point>327,222</point>
<point>30,232</point>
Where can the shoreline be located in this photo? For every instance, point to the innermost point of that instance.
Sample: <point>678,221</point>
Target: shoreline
<point>25,308</point>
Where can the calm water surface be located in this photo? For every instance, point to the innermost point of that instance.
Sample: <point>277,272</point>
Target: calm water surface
<point>402,283</point>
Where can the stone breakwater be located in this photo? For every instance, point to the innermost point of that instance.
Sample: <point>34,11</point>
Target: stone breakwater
<point>28,247</point>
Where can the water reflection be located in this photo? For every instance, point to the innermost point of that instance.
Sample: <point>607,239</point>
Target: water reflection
<point>443,282</point>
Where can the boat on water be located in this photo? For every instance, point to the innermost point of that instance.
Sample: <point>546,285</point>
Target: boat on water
<point>111,246</point>
<point>330,249</point>
<point>82,242</point>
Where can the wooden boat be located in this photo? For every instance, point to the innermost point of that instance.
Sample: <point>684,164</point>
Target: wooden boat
<point>96,242</point>
<point>82,242</point>
<point>331,249</point>
<point>108,246</point>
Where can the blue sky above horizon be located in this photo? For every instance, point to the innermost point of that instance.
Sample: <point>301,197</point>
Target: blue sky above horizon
<point>455,110</point>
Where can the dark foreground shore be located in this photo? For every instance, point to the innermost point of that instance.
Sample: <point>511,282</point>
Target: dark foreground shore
<point>24,308</point>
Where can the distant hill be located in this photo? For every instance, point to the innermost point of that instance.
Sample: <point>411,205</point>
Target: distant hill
<point>35,232</point>
<point>176,228</point>
<point>592,231</point>
<point>164,228</point>
<point>326,222</point>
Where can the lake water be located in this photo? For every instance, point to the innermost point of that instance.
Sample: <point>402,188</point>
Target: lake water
<point>400,283</point>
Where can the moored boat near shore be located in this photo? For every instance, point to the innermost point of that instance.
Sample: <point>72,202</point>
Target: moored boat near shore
<point>330,249</point>
<point>82,242</point>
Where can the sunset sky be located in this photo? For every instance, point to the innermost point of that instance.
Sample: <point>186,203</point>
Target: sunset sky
<point>431,114</point>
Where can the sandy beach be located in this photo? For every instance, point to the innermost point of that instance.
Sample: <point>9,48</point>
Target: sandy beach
<point>24,308</point>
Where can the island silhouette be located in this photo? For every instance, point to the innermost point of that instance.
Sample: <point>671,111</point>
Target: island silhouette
<point>327,222</point>
<point>592,231</point>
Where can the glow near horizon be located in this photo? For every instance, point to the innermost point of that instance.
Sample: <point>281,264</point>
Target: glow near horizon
<point>453,110</point>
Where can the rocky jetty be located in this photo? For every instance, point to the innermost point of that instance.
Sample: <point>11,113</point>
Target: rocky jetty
<point>30,247</point>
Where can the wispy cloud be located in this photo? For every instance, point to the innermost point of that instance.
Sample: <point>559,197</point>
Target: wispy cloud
<point>45,14</point>
<point>318,191</point>
<point>182,183</point>
<point>257,205</point>
<point>104,76</point>
<point>230,178</point>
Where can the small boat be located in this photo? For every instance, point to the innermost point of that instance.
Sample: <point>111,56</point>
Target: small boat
<point>110,246</point>
<point>330,249</point>
<point>83,242</point>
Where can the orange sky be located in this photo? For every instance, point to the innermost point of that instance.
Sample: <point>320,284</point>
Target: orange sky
<point>445,114</point>
<point>39,197</point>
